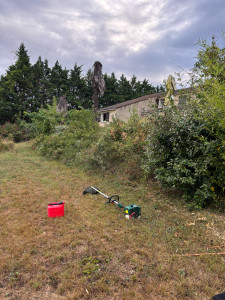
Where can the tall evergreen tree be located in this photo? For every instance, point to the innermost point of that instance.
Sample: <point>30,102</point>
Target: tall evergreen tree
<point>134,86</point>
<point>160,88</point>
<point>111,91</point>
<point>146,88</point>
<point>37,84</point>
<point>124,89</point>
<point>16,91</point>
<point>58,80</point>
<point>77,88</point>
<point>47,96</point>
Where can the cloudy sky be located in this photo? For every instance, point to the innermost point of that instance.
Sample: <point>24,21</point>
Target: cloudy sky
<point>148,38</point>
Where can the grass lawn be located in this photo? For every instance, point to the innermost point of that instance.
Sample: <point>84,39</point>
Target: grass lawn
<point>93,252</point>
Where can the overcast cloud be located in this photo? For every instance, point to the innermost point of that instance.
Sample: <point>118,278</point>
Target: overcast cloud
<point>150,39</point>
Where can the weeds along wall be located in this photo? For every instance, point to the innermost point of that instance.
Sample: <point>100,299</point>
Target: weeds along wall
<point>121,147</point>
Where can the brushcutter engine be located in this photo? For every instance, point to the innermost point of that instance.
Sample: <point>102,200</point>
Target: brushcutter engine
<point>132,211</point>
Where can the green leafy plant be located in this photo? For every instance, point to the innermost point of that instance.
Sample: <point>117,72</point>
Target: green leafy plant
<point>44,121</point>
<point>79,132</point>
<point>185,153</point>
<point>90,265</point>
<point>186,148</point>
<point>14,131</point>
<point>121,147</point>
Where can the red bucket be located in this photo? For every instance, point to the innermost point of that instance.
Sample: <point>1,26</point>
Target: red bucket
<point>56,209</point>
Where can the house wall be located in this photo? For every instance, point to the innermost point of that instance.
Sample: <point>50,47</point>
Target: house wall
<point>141,108</point>
<point>123,113</point>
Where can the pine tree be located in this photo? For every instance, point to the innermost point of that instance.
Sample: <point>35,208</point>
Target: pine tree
<point>146,88</point>
<point>16,88</point>
<point>88,89</point>
<point>77,88</point>
<point>37,84</point>
<point>124,89</point>
<point>111,91</point>
<point>59,80</point>
<point>134,86</point>
<point>47,96</point>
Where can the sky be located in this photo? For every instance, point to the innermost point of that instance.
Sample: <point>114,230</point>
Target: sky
<point>150,39</point>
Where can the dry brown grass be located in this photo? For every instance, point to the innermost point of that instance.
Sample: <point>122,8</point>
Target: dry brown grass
<point>93,252</point>
<point>6,144</point>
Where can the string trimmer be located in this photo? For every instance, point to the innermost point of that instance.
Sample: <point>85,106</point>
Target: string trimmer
<point>131,210</point>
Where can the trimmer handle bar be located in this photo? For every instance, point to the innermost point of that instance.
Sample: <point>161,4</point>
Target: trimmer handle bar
<point>113,199</point>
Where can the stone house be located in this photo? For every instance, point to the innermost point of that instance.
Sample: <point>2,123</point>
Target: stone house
<point>142,106</point>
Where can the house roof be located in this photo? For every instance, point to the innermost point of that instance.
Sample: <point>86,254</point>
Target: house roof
<point>129,102</point>
<point>143,98</point>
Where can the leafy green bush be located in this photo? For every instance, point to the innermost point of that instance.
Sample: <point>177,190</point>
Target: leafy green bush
<point>45,121</point>
<point>121,147</point>
<point>185,152</point>
<point>79,132</point>
<point>14,131</point>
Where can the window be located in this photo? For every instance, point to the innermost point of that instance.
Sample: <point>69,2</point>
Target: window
<point>105,117</point>
<point>160,103</point>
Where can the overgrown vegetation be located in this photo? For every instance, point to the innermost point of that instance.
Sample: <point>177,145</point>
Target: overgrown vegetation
<point>185,152</point>
<point>186,148</point>
<point>65,138</point>
<point>19,131</point>
<point>180,147</point>
<point>183,148</point>
<point>121,147</point>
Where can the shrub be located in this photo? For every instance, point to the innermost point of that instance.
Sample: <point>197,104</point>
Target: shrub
<point>45,121</point>
<point>13,131</point>
<point>79,133</point>
<point>121,147</point>
<point>185,152</point>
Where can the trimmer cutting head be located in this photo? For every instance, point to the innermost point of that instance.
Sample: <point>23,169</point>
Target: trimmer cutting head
<point>90,190</point>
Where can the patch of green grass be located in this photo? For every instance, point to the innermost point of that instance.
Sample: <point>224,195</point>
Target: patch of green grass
<point>90,265</point>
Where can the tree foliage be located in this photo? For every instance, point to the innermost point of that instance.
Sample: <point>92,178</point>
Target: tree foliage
<point>186,148</point>
<point>16,88</point>
<point>209,81</point>
<point>185,152</point>
<point>28,88</point>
